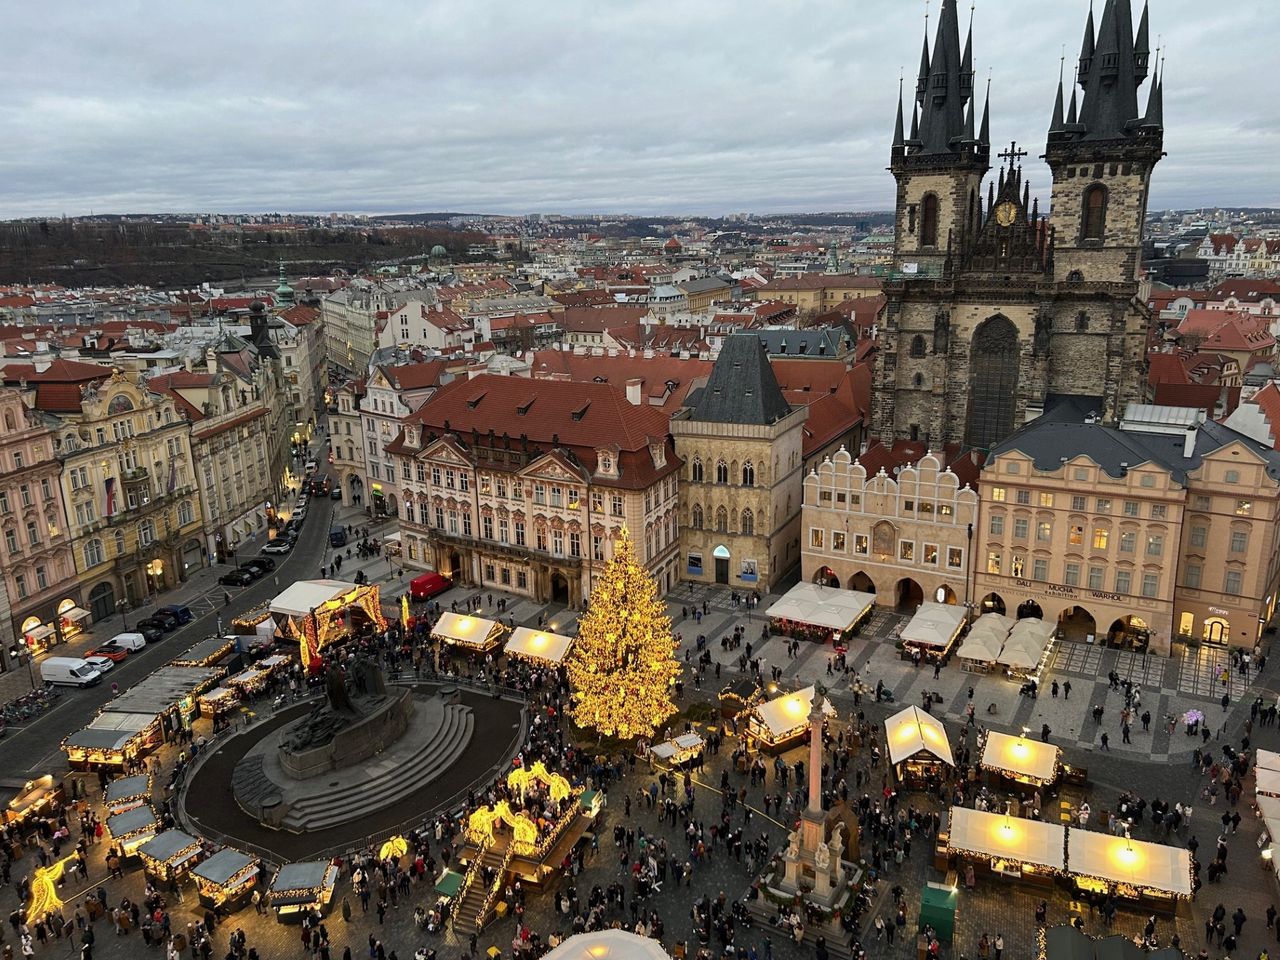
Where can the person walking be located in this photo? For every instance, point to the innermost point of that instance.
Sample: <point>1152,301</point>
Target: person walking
<point>998,945</point>
<point>1066,690</point>
<point>1106,741</point>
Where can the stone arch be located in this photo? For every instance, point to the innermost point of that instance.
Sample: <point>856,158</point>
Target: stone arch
<point>1077,623</point>
<point>862,583</point>
<point>908,595</point>
<point>993,382</point>
<point>992,603</point>
<point>826,577</point>
<point>1030,609</point>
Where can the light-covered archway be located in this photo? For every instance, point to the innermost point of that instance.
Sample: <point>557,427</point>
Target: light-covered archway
<point>1217,630</point>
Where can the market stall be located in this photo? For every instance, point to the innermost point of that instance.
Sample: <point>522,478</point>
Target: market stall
<point>538,646</point>
<point>1155,874</point>
<point>682,749</point>
<point>320,613</point>
<point>607,945</point>
<point>206,653</point>
<point>474,634</point>
<point>1267,782</point>
<point>248,683</point>
<point>38,797</point>
<point>275,663</point>
<point>1011,847</point>
<point>811,611</point>
<point>1027,649</point>
<point>225,881</point>
<point>219,702</point>
<point>934,628</point>
<point>126,793</point>
<point>783,721</point>
<point>169,856</point>
<point>113,740</point>
<point>1021,761</point>
<point>1267,760</point>
<point>300,887</point>
<point>919,749</point>
<point>131,828</point>
<point>979,650</point>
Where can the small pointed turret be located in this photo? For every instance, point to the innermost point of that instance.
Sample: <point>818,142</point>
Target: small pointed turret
<point>1087,46</point>
<point>969,135</point>
<point>898,136</point>
<point>915,125</point>
<point>984,132</point>
<point>1071,112</point>
<point>922,82</point>
<point>1055,125</point>
<point>1154,118</point>
<point>966,61</point>
<point>1142,45</point>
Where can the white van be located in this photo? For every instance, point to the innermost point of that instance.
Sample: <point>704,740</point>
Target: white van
<point>133,642</point>
<point>69,671</point>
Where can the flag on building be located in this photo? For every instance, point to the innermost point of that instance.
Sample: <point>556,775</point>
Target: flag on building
<point>111,496</point>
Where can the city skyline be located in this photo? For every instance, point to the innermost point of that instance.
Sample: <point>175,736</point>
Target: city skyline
<point>500,111</point>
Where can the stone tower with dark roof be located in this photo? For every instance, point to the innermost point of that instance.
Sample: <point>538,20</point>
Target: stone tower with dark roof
<point>742,480</point>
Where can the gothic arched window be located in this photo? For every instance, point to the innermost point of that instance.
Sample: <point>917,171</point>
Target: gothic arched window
<point>722,472</point>
<point>697,517</point>
<point>1095,212</point>
<point>918,346</point>
<point>696,470</point>
<point>722,520</point>
<point>748,523</point>
<point>929,221</point>
<point>748,474</point>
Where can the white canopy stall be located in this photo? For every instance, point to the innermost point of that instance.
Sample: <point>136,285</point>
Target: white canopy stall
<point>783,720</point>
<point>918,745</point>
<point>811,605</point>
<point>1021,759</point>
<point>934,628</point>
<point>1010,846</point>
<point>1137,869</point>
<point>540,646</point>
<point>470,632</point>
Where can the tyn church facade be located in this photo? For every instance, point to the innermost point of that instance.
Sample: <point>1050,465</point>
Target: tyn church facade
<point>996,313</point>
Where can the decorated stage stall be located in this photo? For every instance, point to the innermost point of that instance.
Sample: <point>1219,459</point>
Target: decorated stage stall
<point>540,647</point>
<point>811,611</point>
<point>317,614</point>
<point>919,749</point>
<point>468,632</point>
<point>783,721</point>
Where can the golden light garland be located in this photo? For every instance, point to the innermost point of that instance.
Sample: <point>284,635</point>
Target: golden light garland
<point>521,778</point>
<point>44,890</point>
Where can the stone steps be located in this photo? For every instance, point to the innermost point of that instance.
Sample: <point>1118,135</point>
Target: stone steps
<point>395,778</point>
<point>464,918</point>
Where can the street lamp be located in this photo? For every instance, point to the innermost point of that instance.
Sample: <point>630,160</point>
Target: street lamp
<point>19,652</point>
<point>123,606</point>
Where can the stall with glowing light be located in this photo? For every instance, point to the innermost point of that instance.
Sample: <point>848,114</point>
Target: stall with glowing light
<point>811,611</point>
<point>319,613</point>
<point>37,797</point>
<point>467,632</point>
<point>1026,651</point>
<point>219,701</point>
<point>1155,874</point>
<point>300,887</point>
<point>112,740</point>
<point>685,748</point>
<point>783,721</point>
<point>608,945</point>
<point>225,881</point>
<point>205,653</point>
<point>72,619</point>
<point>1011,847</point>
<point>919,750</point>
<point>131,828</point>
<point>540,647</point>
<point>1267,782</point>
<point>126,793</point>
<point>248,683</point>
<point>1020,760</point>
<point>169,856</point>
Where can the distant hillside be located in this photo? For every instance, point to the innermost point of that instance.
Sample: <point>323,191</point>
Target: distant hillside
<point>176,254</point>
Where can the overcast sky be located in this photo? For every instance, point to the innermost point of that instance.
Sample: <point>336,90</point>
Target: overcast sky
<point>665,106</point>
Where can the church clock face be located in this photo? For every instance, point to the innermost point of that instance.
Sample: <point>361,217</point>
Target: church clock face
<point>1006,213</point>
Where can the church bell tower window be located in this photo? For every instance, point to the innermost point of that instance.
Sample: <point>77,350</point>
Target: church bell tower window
<point>929,221</point>
<point>1095,212</point>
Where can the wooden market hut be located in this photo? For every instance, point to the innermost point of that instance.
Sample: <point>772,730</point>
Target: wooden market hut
<point>169,856</point>
<point>783,721</point>
<point>470,633</point>
<point>541,647</point>
<point>919,750</point>
<point>1005,846</point>
<point>1021,761</point>
<point>226,880</point>
<point>1156,875</point>
<point>811,611</point>
<point>126,793</point>
<point>299,887</point>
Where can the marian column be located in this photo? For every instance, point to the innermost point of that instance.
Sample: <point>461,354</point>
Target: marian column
<point>813,820</point>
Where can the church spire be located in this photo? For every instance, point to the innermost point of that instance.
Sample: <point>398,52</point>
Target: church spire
<point>898,138</point>
<point>1086,47</point>
<point>1055,125</point>
<point>1112,78</point>
<point>1154,117</point>
<point>943,115</point>
<point>984,132</point>
<point>1142,45</point>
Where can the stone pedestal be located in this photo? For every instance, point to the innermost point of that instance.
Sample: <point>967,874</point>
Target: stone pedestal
<point>386,721</point>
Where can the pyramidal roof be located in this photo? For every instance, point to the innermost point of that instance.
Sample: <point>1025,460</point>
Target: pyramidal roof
<point>742,387</point>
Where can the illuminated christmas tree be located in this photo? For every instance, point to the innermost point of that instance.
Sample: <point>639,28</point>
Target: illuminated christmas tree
<point>623,663</point>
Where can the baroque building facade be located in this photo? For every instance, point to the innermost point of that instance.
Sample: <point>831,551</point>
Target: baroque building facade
<point>995,313</point>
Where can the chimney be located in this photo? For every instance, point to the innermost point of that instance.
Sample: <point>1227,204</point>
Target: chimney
<point>633,391</point>
<point>1189,441</point>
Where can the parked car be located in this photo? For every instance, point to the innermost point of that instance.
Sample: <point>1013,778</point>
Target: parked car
<point>151,632</point>
<point>294,525</point>
<point>166,620</point>
<point>299,514</point>
<point>338,537</point>
<point>236,578</point>
<point>112,651</point>
<point>279,545</point>
<point>335,494</point>
<point>254,568</point>
<point>101,664</point>
<point>183,614</point>
<point>131,641</point>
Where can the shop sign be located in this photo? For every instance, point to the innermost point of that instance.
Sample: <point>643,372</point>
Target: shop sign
<point>1113,597</point>
<point>1050,589</point>
<point>1219,612</point>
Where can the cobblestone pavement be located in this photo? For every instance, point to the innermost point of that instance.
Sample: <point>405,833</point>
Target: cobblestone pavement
<point>1156,764</point>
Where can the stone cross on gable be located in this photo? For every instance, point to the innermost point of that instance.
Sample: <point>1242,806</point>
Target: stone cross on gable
<point>1013,154</point>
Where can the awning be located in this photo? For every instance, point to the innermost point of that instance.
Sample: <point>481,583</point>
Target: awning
<point>685,745</point>
<point>1002,837</point>
<point>785,714</point>
<point>912,731</point>
<point>934,625</point>
<point>1268,782</point>
<point>538,645</point>
<point>392,537</point>
<point>1020,756</point>
<point>464,629</point>
<point>608,945</point>
<point>1267,760</point>
<point>820,606</point>
<point>1153,866</point>
<point>306,595</point>
<point>223,866</point>
<point>76,614</point>
<point>39,633</point>
<point>982,647</point>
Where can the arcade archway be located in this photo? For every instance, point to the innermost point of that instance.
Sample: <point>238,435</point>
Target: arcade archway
<point>862,583</point>
<point>1217,630</point>
<point>944,594</point>
<point>826,577</point>
<point>1077,623</point>
<point>909,595</point>
<point>992,603</point>
<point>1029,608</point>
<point>1129,631</point>
<point>559,588</point>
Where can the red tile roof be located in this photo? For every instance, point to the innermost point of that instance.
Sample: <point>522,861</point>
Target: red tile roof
<point>416,376</point>
<point>58,371</point>
<point>301,315</point>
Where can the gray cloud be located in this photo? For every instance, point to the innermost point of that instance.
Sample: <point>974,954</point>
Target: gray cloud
<point>564,105</point>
